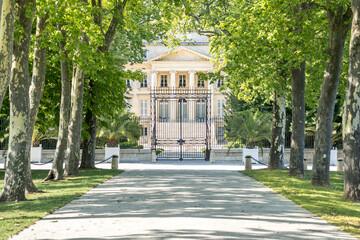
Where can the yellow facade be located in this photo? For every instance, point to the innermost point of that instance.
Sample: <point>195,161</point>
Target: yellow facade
<point>174,70</point>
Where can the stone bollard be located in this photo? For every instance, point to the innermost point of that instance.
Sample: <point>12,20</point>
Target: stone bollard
<point>340,166</point>
<point>305,164</point>
<point>212,157</point>
<point>153,155</point>
<point>248,165</point>
<point>115,162</point>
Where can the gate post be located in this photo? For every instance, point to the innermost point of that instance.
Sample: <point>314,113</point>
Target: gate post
<point>153,155</point>
<point>212,156</point>
<point>248,165</point>
<point>340,165</point>
<point>115,162</point>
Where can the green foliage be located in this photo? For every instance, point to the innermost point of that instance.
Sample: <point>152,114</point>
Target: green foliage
<point>248,127</point>
<point>40,136</point>
<point>159,150</point>
<point>327,203</point>
<point>130,145</point>
<point>122,125</point>
<point>17,216</point>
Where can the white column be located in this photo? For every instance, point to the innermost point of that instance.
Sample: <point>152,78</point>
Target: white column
<point>192,102</point>
<point>173,102</point>
<point>153,79</point>
<point>173,79</point>
<point>211,113</point>
<point>192,79</point>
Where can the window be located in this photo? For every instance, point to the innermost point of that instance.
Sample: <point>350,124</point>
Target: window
<point>146,54</point>
<point>129,83</point>
<point>201,83</point>
<point>143,108</point>
<point>182,81</point>
<point>220,83</point>
<point>144,131</point>
<point>182,110</point>
<point>220,108</point>
<point>164,111</point>
<point>163,82</point>
<point>200,110</point>
<point>144,83</point>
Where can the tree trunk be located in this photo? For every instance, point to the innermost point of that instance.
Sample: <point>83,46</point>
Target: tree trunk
<point>296,168</point>
<point>57,167</point>
<point>36,89</point>
<point>88,154</point>
<point>1,3</point>
<point>7,13</point>
<point>276,157</point>
<point>338,28</point>
<point>351,119</point>
<point>73,144</point>
<point>19,140</point>
<point>89,144</point>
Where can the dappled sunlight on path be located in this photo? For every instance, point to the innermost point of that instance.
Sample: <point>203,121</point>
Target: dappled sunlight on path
<point>182,204</point>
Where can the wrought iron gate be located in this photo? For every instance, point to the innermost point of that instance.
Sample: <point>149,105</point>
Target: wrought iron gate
<point>180,123</point>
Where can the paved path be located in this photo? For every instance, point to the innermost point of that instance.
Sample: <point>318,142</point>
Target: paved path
<point>181,204</point>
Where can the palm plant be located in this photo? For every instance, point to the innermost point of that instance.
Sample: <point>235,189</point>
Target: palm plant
<point>335,136</point>
<point>38,136</point>
<point>248,127</point>
<point>122,125</point>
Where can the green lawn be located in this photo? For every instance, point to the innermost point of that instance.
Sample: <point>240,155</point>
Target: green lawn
<point>17,216</point>
<point>328,203</point>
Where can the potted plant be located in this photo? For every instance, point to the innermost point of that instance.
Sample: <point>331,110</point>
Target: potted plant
<point>36,146</point>
<point>122,125</point>
<point>335,137</point>
<point>249,127</point>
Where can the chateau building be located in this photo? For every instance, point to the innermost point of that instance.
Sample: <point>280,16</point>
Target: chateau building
<point>179,113</point>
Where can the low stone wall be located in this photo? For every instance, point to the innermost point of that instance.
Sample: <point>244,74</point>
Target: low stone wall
<point>135,155</point>
<point>126,155</point>
<point>236,155</point>
<point>233,154</point>
<point>217,155</point>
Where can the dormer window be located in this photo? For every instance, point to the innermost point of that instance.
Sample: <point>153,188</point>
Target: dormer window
<point>201,83</point>
<point>144,83</point>
<point>182,81</point>
<point>163,81</point>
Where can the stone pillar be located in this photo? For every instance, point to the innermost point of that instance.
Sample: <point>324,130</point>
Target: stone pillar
<point>212,157</point>
<point>153,155</point>
<point>211,113</point>
<point>248,163</point>
<point>153,79</point>
<point>115,162</point>
<point>173,102</point>
<point>192,79</point>
<point>340,165</point>
<point>192,102</point>
<point>305,164</point>
<point>172,80</point>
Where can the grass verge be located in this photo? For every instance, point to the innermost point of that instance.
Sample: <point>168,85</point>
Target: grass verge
<point>327,203</point>
<point>16,216</point>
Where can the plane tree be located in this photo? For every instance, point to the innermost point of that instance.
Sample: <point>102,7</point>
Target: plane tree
<point>351,117</point>
<point>259,45</point>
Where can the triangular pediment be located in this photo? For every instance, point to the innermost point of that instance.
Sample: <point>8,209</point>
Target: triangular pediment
<point>181,54</point>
